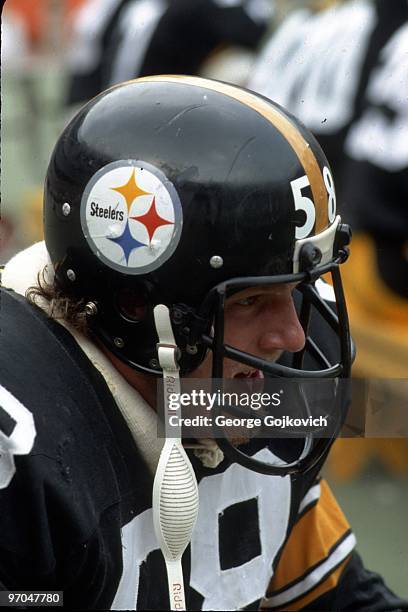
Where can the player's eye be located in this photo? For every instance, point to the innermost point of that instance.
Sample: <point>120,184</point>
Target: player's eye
<point>249,301</point>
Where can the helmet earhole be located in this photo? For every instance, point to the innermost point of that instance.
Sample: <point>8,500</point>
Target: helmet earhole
<point>132,304</point>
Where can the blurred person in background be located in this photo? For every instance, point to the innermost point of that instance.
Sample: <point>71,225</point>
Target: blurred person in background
<point>118,40</point>
<point>318,63</point>
<point>376,187</point>
<point>35,18</point>
<point>19,35</point>
<point>344,72</point>
<point>32,37</point>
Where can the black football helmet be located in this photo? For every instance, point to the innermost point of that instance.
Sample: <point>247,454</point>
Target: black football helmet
<point>180,191</point>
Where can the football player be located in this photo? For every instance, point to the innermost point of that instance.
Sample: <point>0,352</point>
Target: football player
<point>187,224</point>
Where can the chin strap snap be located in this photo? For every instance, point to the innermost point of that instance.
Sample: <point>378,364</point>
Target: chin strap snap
<point>175,491</point>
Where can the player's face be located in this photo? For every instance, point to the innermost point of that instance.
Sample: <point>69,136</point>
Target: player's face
<point>261,321</point>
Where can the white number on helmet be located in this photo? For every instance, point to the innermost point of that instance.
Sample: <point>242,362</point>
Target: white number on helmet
<point>306,204</point>
<point>331,202</point>
<point>303,203</point>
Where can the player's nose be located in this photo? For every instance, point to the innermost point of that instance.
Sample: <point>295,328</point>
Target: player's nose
<point>281,328</point>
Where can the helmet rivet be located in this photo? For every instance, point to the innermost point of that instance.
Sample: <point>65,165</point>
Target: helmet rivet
<point>154,364</point>
<point>118,342</point>
<point>91,309</point>
<point>192,349</point>
<point>216,261</point>
<point>177,316</point>
<point>316,256</point>
<point>66,209</point>
<point>71,275</point>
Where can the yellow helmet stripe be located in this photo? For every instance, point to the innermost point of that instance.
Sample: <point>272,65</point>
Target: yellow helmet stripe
<point>299,145</point>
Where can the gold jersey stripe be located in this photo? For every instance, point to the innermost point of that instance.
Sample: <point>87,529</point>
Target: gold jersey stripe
<point>310,541</point>
<point>299,145</point>
<point>327,585</point>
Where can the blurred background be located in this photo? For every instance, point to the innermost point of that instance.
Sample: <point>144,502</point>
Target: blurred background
<point>342,68</point>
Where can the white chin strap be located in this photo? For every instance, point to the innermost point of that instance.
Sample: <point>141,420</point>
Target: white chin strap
<point>175,491</point>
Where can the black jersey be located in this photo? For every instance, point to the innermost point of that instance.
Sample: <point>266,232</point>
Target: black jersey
<point>343,72</point>
<point>118,40</point>
<point>76,500</point>
<point>376,156</point>
<point>326,67</point>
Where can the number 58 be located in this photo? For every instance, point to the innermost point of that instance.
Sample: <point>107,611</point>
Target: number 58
<point>306,204</point>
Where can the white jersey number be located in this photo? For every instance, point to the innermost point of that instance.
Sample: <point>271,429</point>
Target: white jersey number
<point>21,440</point>
<point>377,138</point>
<point>222,589</point>
<point>312,64</point>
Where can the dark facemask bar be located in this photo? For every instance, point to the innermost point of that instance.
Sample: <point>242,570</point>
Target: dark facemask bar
<point>214,307</point>
<point>313,449</point>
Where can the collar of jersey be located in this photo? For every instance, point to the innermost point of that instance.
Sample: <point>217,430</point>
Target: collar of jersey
<point>19,274</point>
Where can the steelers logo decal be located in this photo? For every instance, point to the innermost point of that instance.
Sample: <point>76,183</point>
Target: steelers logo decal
<point>131,216</point>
